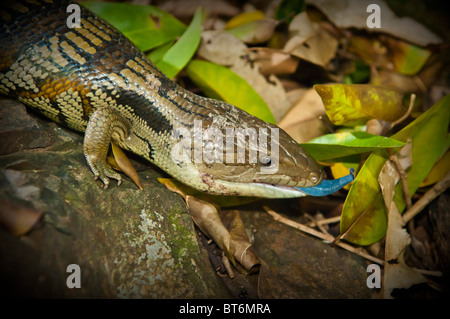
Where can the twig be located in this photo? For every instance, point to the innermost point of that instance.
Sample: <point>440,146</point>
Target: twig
<point>315,233</point>
<point>404,181</point>
<point>435,273</point>
<point>226,263</point>
<point>434,192</point>
<point>418,81</point>
<point>323,229</point>
<point>329,220</point>
<point>298,226</point>
<point>408,112</point>
<point>403,178</point>
<point>322,222</point>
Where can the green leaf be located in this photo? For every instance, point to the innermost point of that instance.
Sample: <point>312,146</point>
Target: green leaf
<point>182,51</point>
<point>255,32</point>
<point>429,142</point>
<point>146,26</point>
<point>157,54</point>
<point>352,104</point>
<point>221,83</point>
<point>398,56</point>
<point>332,146</point>
<point>408,59</point>
<point>361,73</point>
<point>287,9</point>
<point>364,212</point>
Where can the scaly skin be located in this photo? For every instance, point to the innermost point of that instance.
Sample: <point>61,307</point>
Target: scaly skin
<point>95,80</point>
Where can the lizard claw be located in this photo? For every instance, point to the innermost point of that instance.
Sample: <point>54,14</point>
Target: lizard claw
<point>103,122</point>
<point>102,171</point>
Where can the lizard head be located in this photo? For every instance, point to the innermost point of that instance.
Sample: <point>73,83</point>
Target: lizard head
<point>255,158</point>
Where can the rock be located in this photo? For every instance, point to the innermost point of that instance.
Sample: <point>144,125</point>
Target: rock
<point>298,266</point>
<point>128,243</point>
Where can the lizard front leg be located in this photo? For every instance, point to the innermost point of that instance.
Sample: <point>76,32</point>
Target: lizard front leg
<point>104,126</point>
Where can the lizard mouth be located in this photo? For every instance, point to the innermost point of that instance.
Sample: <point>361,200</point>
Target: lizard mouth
<point>324,188</point>
<point>266,190</point>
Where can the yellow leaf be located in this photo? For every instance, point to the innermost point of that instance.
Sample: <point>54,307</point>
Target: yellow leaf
<point>340,170</point>
<point>244,18</point>
<point>352,104</point>
<point>439,170</point>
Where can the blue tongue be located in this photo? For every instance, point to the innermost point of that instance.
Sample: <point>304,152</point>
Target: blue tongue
<point>327,187</point>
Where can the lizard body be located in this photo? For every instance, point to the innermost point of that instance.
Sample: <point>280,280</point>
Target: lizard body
<point>94,80</point>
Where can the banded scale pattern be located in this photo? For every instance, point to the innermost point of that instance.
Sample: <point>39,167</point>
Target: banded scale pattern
<point>70,75</point>
<point>66,74</point>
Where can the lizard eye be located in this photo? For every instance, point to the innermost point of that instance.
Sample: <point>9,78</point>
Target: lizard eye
<point>313,177</point>
<point>265,161</point>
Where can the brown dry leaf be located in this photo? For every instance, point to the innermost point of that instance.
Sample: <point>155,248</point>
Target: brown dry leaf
<point>350,13</point>
<point>270,89</point>
<point>244,252</point>
<point>387,179</point>
<point>18,219</point>
<point>300,29</point>
<point>404,83</point>
<point>206,217</point>
<point>318,49</point>
<point>272,61</point>
<point>221,47</point>
<point>294,91</point>
<point>397,81</point>
<point>404,156</point>
<point>303,122</point>
<point>310,42</point>
<point>125,165</point>
<point>225,49</point>
<point>377,127</point>
<point>264,288</point>
<point>186,8</point>
<point>227,230</point>
<point>396,273</point>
